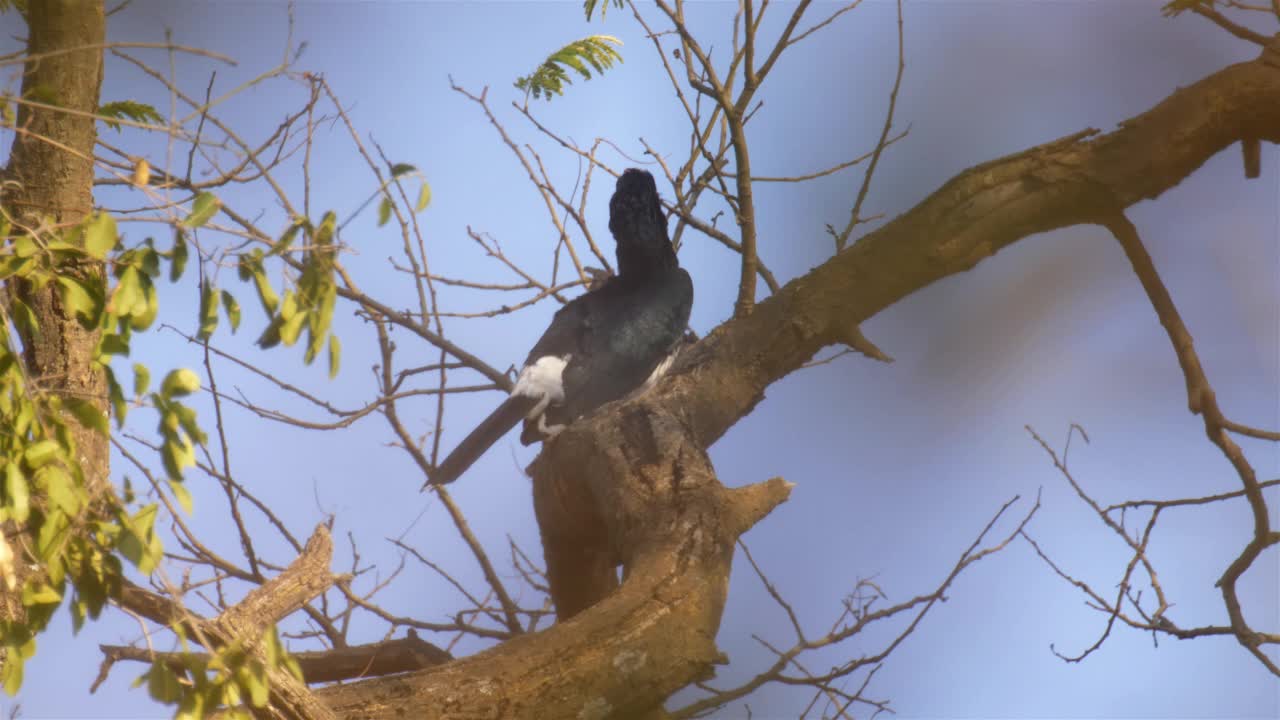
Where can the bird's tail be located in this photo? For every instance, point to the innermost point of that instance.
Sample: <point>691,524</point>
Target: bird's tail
<point>511,411</point>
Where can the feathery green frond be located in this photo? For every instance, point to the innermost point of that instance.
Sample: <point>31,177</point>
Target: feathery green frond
<point>135,111</point>
<point>590,7</point>
<point>1177,7</point>
<point>590,53</point>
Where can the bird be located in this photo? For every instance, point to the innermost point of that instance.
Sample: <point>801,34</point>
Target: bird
<point>615,339</point>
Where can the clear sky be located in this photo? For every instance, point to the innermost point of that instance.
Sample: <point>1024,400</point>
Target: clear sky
<point>897,466</point>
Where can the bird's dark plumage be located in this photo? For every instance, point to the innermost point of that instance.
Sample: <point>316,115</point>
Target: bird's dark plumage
<point>604,344</point>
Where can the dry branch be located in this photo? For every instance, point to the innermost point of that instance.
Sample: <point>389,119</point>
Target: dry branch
<point>247,621</point>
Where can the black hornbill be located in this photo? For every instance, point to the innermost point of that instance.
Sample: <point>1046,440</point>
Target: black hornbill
<point>603,344</point>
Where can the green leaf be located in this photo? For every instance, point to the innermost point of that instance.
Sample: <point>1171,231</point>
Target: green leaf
<point>328,300</point>
<point>289,307</point>
<point>17,493</point>
<point>162,683</point>
<point>42,594</point>
<point>401,168</point>
<point>26,649</point>
<point>292,327</point>
<point>60,487</point>
<point>115,395</point>
<point>25,246</point>
<point>254,679</point>
<point>149,260</point>
<point>187,421</point>
<point>192,708</point>
<point>315,341</point>
<point>113,344</point>
<point>145,310</point>
<point>182,495</point>
<point>141,379</point>
<point>271,644</point>
<point>266,295</point>
<point>179,382</point>
<point>271,336</point>
<point>55,524</point>
<point>208,312</point>
<point>37,455</point>
<point>424,198</point>
<point>15,266</point>
<point>12,670</point>
<point>384,211</point>
<point>177,455</point>
<point>231,696</point>
<point>203,208</point>
<point>293,668</point>
<point>286,240</point>
<point>335,355</point>
<point>139,543</point>
<point>133,549</point>
<point>26,414</point>
<point>88,414</point>
<point>23,317</point>
<point>81,299</point>
<point>232,308</point>
<point>589,6</point>
<point>178,256</point>
<point>328,226</point>
<point>78,613</point>
<point>100,235</point>
<point>127,293</point>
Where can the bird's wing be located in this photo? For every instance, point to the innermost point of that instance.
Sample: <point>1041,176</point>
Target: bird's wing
<point>630,336</point>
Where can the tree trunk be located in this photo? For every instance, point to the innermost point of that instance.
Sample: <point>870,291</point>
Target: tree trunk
<point>50,184</point>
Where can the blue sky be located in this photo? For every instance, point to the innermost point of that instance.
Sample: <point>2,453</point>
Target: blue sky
<point>897,466</point>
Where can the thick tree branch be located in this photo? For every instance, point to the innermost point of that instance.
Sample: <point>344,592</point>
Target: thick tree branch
<point>247,621</point>
<point>971,217</point>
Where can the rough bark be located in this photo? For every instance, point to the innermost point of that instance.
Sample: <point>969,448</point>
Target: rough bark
<point>246,622</point>
<point>249,619</point>
<point>626,655</point>
<point>639,483</point>
<point>50,178</point>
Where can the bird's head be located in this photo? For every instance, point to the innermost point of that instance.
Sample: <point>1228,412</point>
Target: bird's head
<point>638,225</point>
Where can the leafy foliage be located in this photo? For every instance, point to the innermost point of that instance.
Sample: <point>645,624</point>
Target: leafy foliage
<point>229,679</point>
<point>589,7</point>
<point>596,52</point>
<point>135,111</point>
<point>204,207</point>
<point>1177,7</point>
<point>387,204</point>
<point>79,538</point>
<point>310,304</point>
